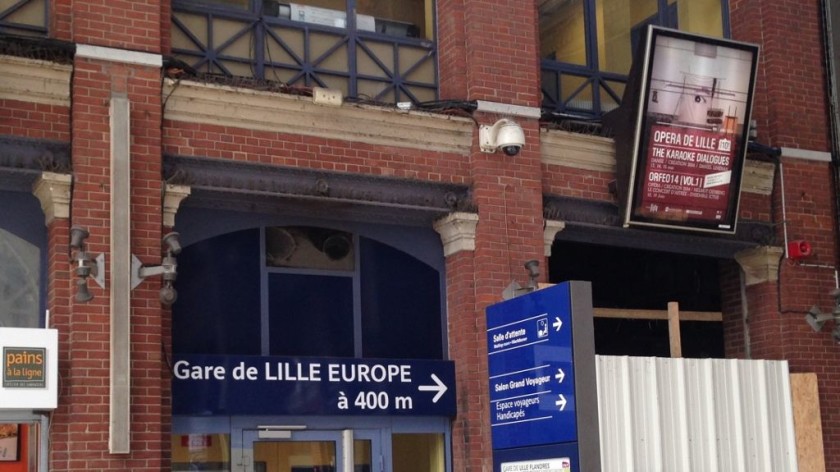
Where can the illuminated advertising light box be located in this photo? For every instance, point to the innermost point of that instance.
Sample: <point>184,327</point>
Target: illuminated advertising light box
<point>690,98</point>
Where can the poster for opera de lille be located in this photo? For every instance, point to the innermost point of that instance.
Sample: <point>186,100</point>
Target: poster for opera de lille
<point>694,132</point>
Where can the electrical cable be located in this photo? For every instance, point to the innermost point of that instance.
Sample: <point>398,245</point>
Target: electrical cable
<point>448,104</point>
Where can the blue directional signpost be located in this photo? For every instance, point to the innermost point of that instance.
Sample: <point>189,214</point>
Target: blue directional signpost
<point>543,397</point>
<point>253,385</point>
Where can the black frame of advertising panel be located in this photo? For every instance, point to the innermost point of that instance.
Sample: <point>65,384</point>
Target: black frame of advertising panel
<point>691,116</point>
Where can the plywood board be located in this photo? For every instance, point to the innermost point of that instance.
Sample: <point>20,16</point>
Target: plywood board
<point>807,422</point>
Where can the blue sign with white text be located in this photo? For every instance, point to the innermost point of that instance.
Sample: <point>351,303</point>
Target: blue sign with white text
<point>532,385</point>
<point>268,385</point>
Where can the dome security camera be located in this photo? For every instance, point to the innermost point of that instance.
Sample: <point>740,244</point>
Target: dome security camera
<point>504,134</point>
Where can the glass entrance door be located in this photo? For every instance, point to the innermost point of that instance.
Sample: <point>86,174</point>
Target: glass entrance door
<point>295,444</point>
<point>296,456</point>
<point>279,450</point>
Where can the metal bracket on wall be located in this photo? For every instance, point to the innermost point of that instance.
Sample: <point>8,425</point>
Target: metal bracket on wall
<point>139,272</point>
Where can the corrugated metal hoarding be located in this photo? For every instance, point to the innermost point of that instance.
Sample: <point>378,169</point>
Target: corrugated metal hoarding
<point>683,415</point>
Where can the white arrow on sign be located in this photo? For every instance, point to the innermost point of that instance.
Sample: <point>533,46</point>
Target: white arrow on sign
<point>557,323</point>
<point>440,388</point>
<point>561,402</point>
<point>560,375</point>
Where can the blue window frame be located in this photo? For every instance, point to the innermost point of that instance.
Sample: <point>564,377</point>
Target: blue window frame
<point>384,55</point>
<point>397,296</point>
<point>218,307</point>
<point>587,46</point>
<point>306,291</point>
<point>310,315</point>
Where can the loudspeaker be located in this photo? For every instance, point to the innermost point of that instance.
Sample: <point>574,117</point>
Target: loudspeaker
<point>172,240</point>
<point>78,236</point>
<point>168,294</point>
<point>336,246</point>
<point>82,292</point>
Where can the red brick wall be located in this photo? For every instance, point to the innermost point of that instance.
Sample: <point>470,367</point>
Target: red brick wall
<point>755,207</point>
<point>809,206</point>
<point>60,19</point>
<point>80,438</point>
<point>166,27</point>
<point>508,192</point>
<point>791,105</point>
<point>577,183</point>
<point>791,110</point>
<point>263,147</point>
<point>87,355</point>
<point>488,51</point>
<point>60,291</point>
<point>150,375</point>
<point>34,120</point>
<point>452,51</point>
<point>467,347</point>
<point>733,324</point>
<point>117,24</point>
<point>810,214</point>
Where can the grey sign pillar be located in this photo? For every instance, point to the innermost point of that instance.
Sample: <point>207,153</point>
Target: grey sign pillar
<point>586,386</point>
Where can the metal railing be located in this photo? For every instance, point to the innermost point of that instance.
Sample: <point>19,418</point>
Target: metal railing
<point>364,65</point>
<point>578,91</point>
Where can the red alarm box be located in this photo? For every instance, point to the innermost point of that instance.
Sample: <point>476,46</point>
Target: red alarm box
<point>799,249</point>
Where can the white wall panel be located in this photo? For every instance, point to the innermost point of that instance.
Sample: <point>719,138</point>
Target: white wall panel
<point>683,415</point>
<point>702,429</point>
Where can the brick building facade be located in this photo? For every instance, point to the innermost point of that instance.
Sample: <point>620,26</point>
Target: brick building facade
<point>212,154</point>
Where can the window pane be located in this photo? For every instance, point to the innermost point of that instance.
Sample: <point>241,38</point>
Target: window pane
<point>417,452</point>
<point>25,14</point>
<point>401,316</point>
<point>19,282</point>
<point>700,16</point>
<point>280,62</point>
<point>23,242</point>
<point>10,439</point>
<point>362,457</point>
<point>187,30</point>
<point>218,307</point>
<point>611,93</point>
<point>297,456</point>
<point>562,31</point>
<point>402,18</point>
<point>576,92</point>
<point>415,64</point>
<point>19,447</point>
<point>309,248</point>
<point>310,315</point>
<point>201,451</point>
<point>621,24</point>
